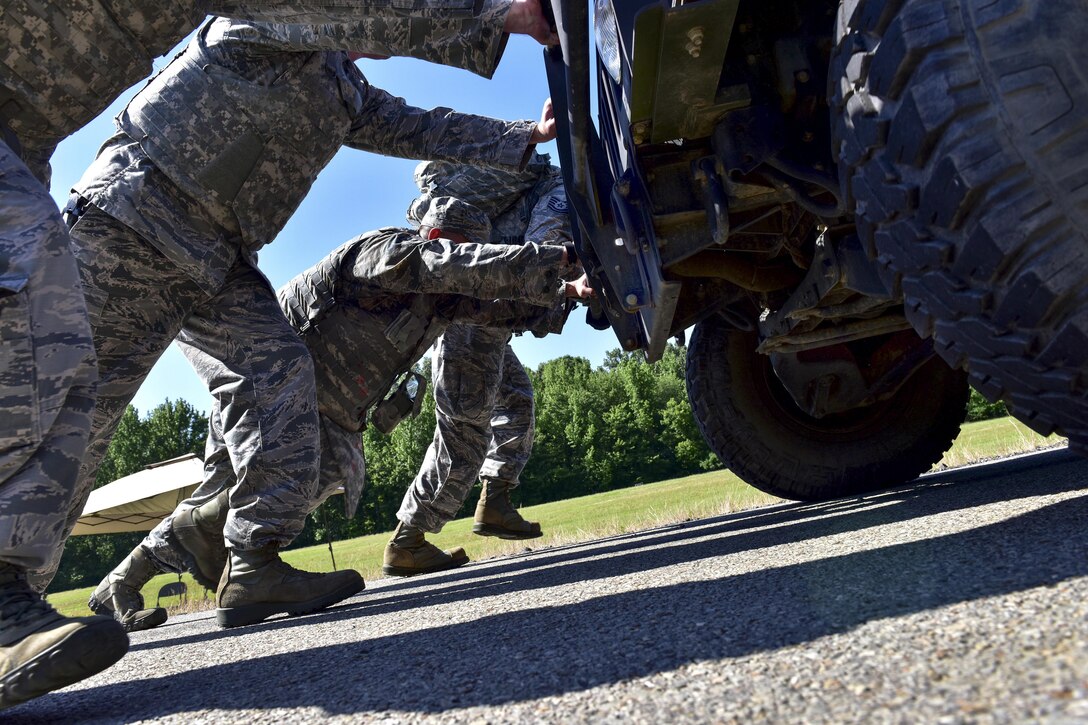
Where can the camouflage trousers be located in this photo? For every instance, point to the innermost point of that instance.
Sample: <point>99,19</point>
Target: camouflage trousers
<point>258,372</point>
<point>342,464</point>
<point>47,369</point>
<point>484,411</point>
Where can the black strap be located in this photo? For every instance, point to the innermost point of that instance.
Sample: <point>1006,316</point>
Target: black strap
<point>572,253</point>
<point>10,139</point>
<point>74,209</point>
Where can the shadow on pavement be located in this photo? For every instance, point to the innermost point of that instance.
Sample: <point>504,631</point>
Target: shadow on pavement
<point>551,650</point>
<point>742,531</point>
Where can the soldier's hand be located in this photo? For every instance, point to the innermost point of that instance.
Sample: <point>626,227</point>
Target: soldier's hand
<point>545,127</point>
<point>526,17</point>
<point>580,288</point>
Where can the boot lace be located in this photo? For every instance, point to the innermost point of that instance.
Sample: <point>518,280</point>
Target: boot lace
<point>20,604</point>
<point>289,571</point>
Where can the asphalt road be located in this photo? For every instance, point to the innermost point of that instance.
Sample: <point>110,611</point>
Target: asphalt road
<point>961,598</point>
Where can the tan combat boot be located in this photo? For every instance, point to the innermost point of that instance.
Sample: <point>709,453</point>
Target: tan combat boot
<point>119,594</point>
<point>496,516</point>
<point>408,554</point>
<point>40,650</point>
<point>257,584</point>
<point>197,534</point>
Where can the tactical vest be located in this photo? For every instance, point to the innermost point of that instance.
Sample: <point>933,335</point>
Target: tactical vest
<point>75,60</point>
<point>239,145</point>
<point>320,301</point>
<point>307,298</point>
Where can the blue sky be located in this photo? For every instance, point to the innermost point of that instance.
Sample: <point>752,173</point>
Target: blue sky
<point>359,191</point>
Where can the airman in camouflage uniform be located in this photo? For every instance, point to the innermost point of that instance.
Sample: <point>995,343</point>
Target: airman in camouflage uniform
<point>367,312</point>
<point>208,165</point>
<point>62,64</point>
<point>483,398</point>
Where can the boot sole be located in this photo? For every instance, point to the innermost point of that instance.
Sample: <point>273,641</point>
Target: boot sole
<point>500,532</point>
<point>158,616</point>
<point>85,652</point>
<point>412,571</point>
<point>253,613</point>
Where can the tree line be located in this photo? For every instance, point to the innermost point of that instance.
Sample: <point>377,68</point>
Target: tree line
<point>623,423</point>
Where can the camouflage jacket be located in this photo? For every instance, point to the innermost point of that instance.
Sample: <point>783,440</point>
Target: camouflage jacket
<point>372,308</point>
<point>246,150</point>
<point>64,62</point>
<point>527,204</point>
<point>244,123</point>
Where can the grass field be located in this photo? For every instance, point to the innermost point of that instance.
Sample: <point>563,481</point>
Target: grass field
<point>590,517</point>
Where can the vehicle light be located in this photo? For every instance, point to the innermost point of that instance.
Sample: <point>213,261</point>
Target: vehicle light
<point>606,28</point>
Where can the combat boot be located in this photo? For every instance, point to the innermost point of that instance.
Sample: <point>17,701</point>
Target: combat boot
<point>119,593</point>
<point>496,516</point>
<point>197,534</point>
<point>257,584</point>
<point>40,650</point>
<point>408,554</point>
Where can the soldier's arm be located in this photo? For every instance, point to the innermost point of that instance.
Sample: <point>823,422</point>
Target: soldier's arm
<point>529,273</point>
<point>510,314</point>
<point>473,39</point>
<point>388,125</point>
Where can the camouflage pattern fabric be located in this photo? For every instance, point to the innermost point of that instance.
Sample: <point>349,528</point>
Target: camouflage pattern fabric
<point>328,104</point>
<point>261,374</point>
<point>446,212</point>
<point>336,445</point>
<point>474,43</point>
<point>258,372</point>
<point>47,369</point>
<point>191,258</point>
<point>64,62</point>
<point>483,397</point>
<point>467,367</point>
<point>394,294</point>
<point>493,191</point>
<point>218,474</point>
<point>55,76</point>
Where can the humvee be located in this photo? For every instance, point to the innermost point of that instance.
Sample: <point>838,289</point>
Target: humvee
<point>859,208</point>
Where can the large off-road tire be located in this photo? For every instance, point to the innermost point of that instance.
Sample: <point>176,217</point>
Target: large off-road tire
<point>750,421</point>
<point>961,128</point>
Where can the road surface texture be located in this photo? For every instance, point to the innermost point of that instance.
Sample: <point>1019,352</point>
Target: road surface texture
<point>960,598</point>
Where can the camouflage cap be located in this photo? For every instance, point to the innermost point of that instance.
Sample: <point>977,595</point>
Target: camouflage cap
<point>453,215</point>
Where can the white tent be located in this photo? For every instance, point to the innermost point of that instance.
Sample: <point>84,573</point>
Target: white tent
<point>143,499</point>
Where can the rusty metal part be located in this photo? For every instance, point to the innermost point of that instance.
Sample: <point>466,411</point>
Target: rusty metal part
<point>839,378</point>
<point>834,334</point>
<point>740,270</point>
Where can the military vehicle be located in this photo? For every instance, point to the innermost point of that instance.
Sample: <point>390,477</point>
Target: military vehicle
<point>858,206</point>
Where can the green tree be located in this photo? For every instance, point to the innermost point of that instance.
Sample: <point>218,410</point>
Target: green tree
<point>624,423</point>
<point>978,408</point>
<point>567,423</point>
